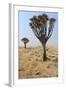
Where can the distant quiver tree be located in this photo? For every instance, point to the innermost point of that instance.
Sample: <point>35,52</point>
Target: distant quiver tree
<point>42,26</point>
<point>25,41</point>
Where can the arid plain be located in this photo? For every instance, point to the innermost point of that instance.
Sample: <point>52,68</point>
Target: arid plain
<point>31,64</point>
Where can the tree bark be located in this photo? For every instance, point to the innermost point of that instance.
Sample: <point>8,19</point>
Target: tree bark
<point>44,53</point>
<point>24,45</point>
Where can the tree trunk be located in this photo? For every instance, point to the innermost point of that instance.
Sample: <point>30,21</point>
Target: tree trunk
<point>25,45</point>
<point>44,53</point>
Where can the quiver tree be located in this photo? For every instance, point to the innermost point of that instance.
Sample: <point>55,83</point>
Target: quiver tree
<point>25,41</point>
<point>42,26</point>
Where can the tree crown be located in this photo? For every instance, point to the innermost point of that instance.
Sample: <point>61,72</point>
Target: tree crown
<point>39,25</point>
<point>25,40</point>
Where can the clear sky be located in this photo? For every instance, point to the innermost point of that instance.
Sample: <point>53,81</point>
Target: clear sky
<point>25,30</point>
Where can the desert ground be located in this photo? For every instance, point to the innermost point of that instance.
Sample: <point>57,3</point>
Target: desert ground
<point>31,64</point>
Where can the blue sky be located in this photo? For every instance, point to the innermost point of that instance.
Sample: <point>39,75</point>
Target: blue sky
<point>25,30</point>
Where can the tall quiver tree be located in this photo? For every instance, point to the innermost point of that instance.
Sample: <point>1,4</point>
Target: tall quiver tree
<point>42,26</point>
<point>25,41</point>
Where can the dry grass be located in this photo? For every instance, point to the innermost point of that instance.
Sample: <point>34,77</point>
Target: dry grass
<point>32,66</point>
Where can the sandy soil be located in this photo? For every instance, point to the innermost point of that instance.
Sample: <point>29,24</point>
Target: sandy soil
<point>31,64</point>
